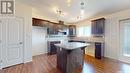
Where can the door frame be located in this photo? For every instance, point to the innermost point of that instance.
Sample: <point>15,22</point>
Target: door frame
<point>1,49</point>
<point>121,57</point>
<point>24,39</point>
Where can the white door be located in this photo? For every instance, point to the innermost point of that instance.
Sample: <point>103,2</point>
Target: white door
<point>13,48</point>
<point>125,41</point>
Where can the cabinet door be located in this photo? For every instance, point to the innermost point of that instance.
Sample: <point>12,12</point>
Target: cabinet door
<point>56,28</point>
<point>39,22</point>
<point>72,30</point>
<point>98,50</point>
<point>51,29</point>
<point>94,27</point>
<point>35,22</point>
<point>53,48</point>
<point>60,27</point>
<point>101,27</point>
<point>98,26</point>
<point>44,23</point>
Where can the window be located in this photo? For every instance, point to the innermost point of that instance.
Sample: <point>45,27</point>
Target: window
<point>84,31</point>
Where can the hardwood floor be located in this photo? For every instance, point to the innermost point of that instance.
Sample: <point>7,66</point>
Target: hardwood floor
<point>47,64</point>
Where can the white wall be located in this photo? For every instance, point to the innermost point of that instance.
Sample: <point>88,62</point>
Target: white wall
<point>39,42</point>
<point>112,44</point>
<point>25,11</point>
<point>39,14</point>
<point>111,32</point>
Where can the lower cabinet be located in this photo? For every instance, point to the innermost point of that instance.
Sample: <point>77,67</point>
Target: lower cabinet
<point>99,50</point>
<point>76,41</point>
<point>52,49</point>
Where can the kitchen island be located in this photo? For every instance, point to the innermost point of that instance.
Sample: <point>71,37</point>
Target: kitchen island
<point>70,56</point>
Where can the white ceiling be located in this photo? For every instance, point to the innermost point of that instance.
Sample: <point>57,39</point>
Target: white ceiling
<point>92,8</point>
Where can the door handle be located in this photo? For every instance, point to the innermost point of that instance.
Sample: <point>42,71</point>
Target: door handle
<point>20,43</point>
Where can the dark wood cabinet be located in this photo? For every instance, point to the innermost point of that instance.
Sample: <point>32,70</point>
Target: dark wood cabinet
<point>69,60</point>
<point>39,22</point>
<point>98,26</point>
<point>99,50</point>
<point>52,27</point>
<point>36,22</point>
<point>76,41</point>
<point>52,49</point>
<point>72,30</point>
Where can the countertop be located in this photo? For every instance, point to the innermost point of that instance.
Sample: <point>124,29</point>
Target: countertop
<point>85,39</point>
<point>72,45</point>
<point>88,39</point>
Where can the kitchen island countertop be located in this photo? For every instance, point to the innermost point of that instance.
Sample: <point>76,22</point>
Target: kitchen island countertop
<point>71,45</point>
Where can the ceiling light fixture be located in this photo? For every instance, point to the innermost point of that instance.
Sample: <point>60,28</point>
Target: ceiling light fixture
<point>59,12</point>
<point>68,3</point>
<point>82,9</point>
<point>78,18</point>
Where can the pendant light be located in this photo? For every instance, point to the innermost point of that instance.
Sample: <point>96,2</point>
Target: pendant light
<point>82,4</point>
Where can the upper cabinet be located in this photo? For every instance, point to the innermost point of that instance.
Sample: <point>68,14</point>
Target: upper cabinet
<point>39,22</point>
<point>72,30</point>
<point>98,27</point>
<point>52,27</point>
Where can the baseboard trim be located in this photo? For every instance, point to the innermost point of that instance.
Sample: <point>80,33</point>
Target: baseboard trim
<point>41,54</point>
<point>28,60</point>
<point>117,60</point>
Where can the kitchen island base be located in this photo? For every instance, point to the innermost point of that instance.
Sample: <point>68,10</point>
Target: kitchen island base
<point>69,60</point>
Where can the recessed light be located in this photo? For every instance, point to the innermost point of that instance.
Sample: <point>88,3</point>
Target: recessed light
<point>82,12</point>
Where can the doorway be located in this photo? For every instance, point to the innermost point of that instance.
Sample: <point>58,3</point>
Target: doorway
<point>125,40</point>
